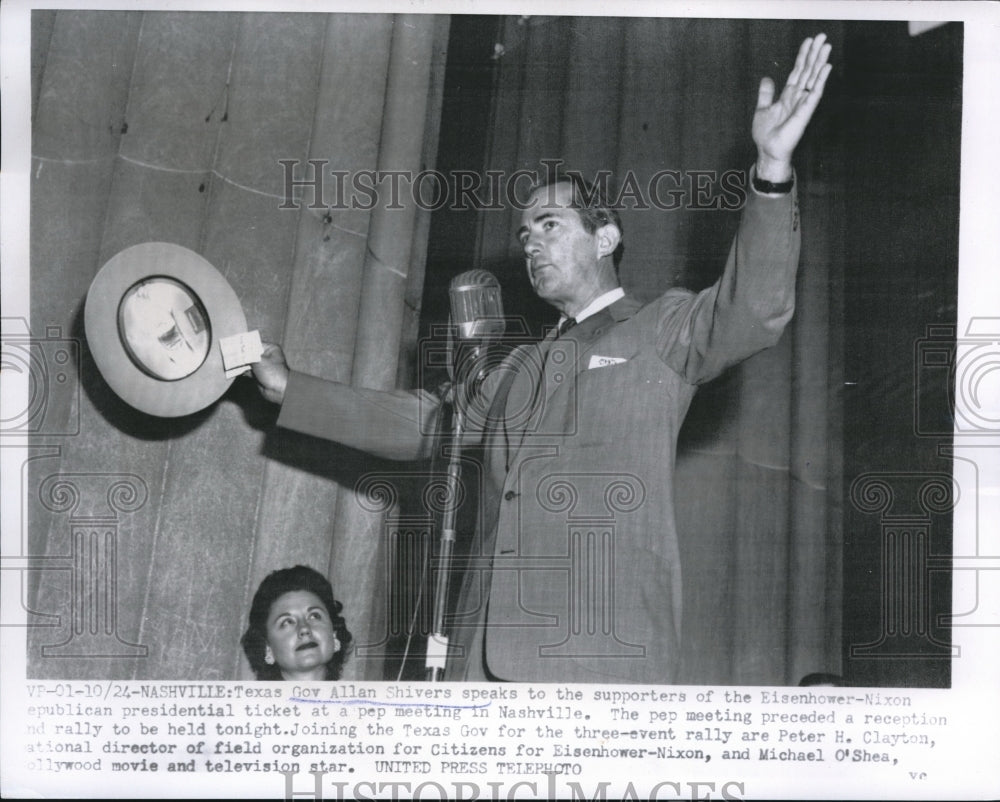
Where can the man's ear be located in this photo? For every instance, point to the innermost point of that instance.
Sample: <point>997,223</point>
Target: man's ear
<point>608,237</point>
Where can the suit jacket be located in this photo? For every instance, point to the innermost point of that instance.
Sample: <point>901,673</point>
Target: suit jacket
<point>579,576</point>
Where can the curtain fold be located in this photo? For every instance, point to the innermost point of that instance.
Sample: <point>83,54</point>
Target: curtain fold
<point>362,544</point>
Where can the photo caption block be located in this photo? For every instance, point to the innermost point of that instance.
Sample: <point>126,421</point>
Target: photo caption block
<point>368,740</point>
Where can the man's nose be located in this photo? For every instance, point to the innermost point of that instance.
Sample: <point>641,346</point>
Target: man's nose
<point>531,247</point>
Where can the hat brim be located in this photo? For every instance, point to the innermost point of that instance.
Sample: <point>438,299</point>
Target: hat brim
<point>160,397</point>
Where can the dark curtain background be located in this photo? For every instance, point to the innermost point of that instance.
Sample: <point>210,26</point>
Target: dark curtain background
<point>784,573</point>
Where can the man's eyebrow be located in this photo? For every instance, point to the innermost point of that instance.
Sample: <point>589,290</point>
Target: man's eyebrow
<point>539,218</point>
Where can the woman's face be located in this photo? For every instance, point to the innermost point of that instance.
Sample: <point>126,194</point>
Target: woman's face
<point>300,636</point>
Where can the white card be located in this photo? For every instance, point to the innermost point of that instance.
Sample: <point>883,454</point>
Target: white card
<point>239,351</point>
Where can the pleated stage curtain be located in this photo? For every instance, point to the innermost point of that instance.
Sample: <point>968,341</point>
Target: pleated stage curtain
<point>758,475</point>
<point>215,131</point>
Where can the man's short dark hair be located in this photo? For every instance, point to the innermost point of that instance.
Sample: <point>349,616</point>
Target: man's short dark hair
<point>590,201</point>
<point>275,585</point>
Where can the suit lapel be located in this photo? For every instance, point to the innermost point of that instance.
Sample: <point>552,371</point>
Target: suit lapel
<point>523,404</point>
<point>551,364</point>
<point>571,353</point>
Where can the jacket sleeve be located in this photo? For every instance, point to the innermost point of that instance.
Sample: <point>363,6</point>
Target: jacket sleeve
<point>393,424</point>
<point>397,425</point>
<point>746,310</point>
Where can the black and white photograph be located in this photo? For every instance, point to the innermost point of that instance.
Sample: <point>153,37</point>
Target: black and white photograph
<point>443,401</point>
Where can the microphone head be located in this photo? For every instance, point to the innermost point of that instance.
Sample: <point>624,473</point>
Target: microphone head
<point>476,307</point>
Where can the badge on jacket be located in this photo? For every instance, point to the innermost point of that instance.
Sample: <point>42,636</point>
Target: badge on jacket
<point>604,361</point>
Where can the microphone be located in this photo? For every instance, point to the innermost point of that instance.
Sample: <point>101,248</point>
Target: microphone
<point>477,321</point>
<point>476,309</point>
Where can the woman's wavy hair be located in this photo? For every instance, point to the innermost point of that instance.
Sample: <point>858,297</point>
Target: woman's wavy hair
<point>275,585</point>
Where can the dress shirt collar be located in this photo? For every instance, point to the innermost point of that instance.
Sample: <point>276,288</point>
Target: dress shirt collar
<point>598,304</point>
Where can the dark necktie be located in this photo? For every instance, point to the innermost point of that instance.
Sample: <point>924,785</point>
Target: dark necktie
<point>565,326</point>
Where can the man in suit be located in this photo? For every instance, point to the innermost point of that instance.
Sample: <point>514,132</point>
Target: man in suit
<point>578,576</point>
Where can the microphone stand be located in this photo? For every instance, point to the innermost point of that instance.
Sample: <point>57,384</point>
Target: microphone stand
<point>437,642</point>
<point>462,369</point>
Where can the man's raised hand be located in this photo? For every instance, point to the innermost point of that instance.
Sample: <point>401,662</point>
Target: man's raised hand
<point>778,124</point>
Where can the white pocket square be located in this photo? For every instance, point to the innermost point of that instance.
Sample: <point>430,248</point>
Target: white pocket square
<point>604,361</point>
